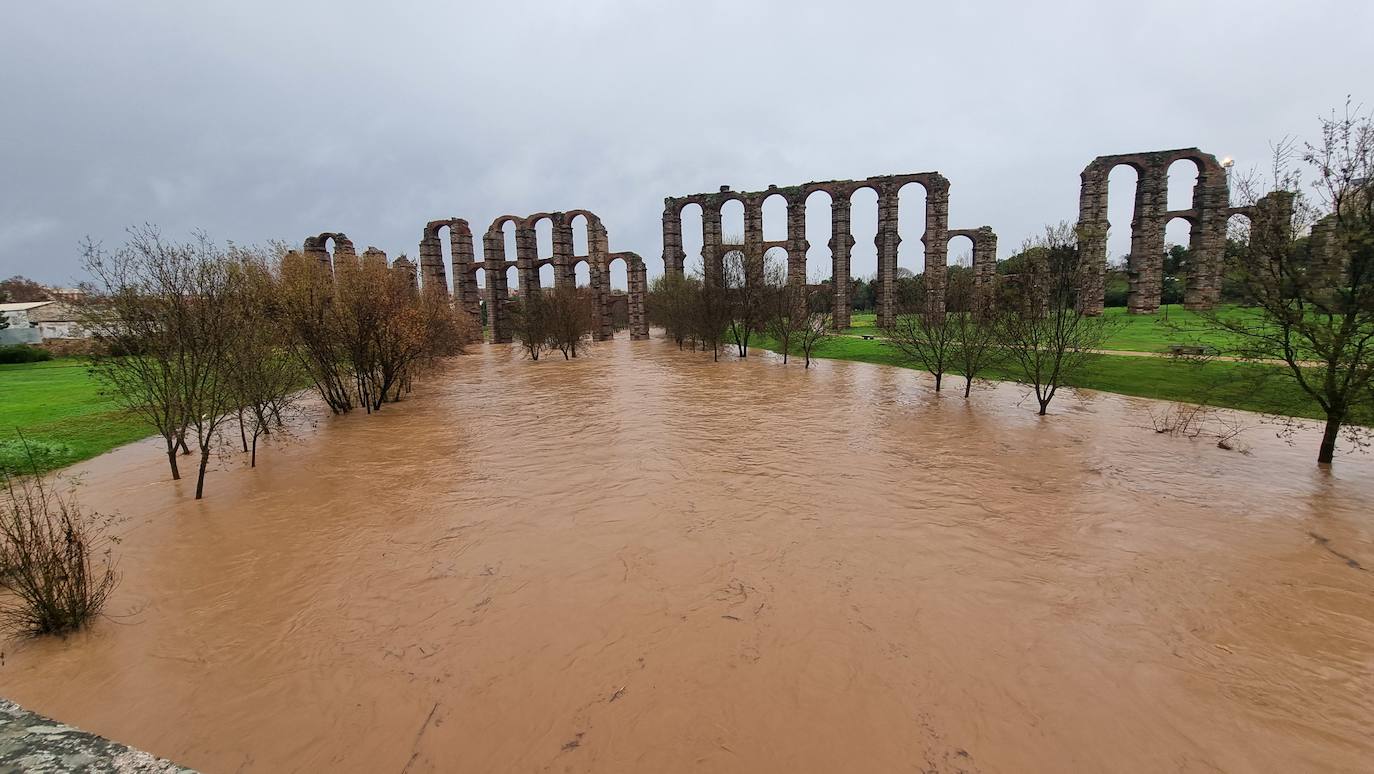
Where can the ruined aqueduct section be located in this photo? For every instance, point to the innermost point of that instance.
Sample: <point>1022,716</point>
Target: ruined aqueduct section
<point>495,263</point>
<point>936,237</point>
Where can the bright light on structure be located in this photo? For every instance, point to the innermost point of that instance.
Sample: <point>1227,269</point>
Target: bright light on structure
<point>1228,162</point>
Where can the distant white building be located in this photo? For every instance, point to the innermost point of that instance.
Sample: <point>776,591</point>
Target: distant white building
<point>38,320</point>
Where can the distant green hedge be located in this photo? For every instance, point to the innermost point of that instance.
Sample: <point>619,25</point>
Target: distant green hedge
<point>23,353</point>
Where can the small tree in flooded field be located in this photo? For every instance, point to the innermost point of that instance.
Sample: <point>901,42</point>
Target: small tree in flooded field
<point>1046,334</point>
<point>921,331</point>
<point>571,314</point>
<point>1312,294</point>
<point>974,330</point>
<point>530,322</point>
<point>670,301</point>
<point>55,559</point>
<point>712,314</point>
<point>751,283</point>
<point>794,311</point>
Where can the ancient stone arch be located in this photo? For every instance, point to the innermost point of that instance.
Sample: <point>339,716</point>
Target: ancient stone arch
<point>317,247</point>
<point>1145,266</point>
<point>984,241</point>
<point>467,295</point>
<point>527,261</point>
<point>713,250</point>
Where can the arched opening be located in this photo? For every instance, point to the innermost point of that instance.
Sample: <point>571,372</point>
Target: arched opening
<point>543,240</point>
<point>691,238</point>
<point>863,225</point>
<point>1183,175</point>
<point>579,232</point>
<point>911,226</point>
<point>1178,264</point>
<point>960,252</point>
<point>732,222</point>
<point>1121,184</point>
<point>820,264</point>
<point>508,240</point>
<point>480,275</point>
<point>617,303</point>
<point>512,282</point>
<point>774,218</point>
<point>775,263</point>
<point>582,273</point>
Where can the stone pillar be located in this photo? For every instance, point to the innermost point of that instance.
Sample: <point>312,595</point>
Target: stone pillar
<point>936,241</point>
<point>498,292</point>
<point>1207,237</point>
<point>1146,263</point>
<point>841,242</point>
<point>710,242</point>
<point>469,296</point>
<point>638,278</point>
<point>796,239</point>
<point>599,269</point>
<point>527,258</point>
<point>753,240</point>
<point>887,241</point>
<point>315,250</point>
<point>343,250</point>
<point>432,258</point>
<point>674,259</point>
<point>984,264</point>
<point>1092,238</point>
<point>402,265</point>
<point>564,270</point>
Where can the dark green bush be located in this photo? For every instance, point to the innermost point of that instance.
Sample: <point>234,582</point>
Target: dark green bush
<point>23,353</point>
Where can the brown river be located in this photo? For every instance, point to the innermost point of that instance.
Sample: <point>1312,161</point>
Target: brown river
<point>643,561</point>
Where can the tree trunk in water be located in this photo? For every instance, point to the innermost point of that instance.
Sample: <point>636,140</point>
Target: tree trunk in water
<point>938,377</point>
<point>1044,404</point>
<point>243,434</point>
<point>200,479</point>
<point>968,385</point>
<point>253,461</point>
<point>172,459</point>
<point>1328,447</point>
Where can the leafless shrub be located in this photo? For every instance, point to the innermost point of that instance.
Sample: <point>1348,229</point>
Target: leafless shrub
<point>55,559</point>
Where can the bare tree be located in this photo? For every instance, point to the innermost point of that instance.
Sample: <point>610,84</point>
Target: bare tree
<point>712,313</point>
<point>788,315</point>
<point>819,321</point>
<point>165,313</point>
<point>670,301</point>
<point>751,282</point>
<point>571,314</point>
<point>1311,295</point>
<point>1046,333</point>
<point>529,320</point>
<point>974,331</point>
<point>921,332</point>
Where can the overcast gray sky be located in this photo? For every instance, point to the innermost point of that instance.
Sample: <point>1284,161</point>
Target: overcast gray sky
<point>261,119</point>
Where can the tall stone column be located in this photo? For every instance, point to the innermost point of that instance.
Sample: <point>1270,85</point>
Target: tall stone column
<point>1092,238</point>
<point>404,267</point>
<point>1207,238</point>
<point>710,242</point>
<point>887,240</point>
<point>984,264</point>
<point>498,293</point>
<point>564,270</point>
<point>753,240</point>
<point>464,275</point>
<point>343,250</point>
<point>796,240</point>
<point>314,249</point>
<point>432,273</point>
<point>674,258</point>
<point>841,242</point>
<point>1146,264</point>
<point>638,279</point>
<point>936,241</point>
<point>599,269</point>
<point>527,258</point>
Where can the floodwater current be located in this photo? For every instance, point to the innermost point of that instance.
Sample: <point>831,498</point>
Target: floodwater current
<point>645,561</point>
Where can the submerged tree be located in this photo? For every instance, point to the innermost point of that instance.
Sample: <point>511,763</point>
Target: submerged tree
<point>571,313</point>
<point>751,283</point>
<point>1308,275</point>
<point>921,331</point>
<point>1046,334</point>
<point>670,301</point>
<point>530,322</point>
<point>974,328</point>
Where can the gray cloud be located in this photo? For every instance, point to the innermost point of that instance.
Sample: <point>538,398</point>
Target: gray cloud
<point>256,121</point>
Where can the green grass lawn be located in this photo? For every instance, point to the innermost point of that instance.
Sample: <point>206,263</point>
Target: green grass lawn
<point>1130,332</point>
<point>64,417</point>
<point>1246,386</point>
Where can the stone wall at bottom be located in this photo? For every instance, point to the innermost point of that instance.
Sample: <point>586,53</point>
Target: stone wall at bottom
<point>32,743</point>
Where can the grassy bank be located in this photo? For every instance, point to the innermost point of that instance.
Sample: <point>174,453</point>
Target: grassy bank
<point>1244,386</point>
<point>62,413</point>
<point>1130,332</point>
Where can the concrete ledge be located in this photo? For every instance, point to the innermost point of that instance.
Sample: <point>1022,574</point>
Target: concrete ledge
<point>30,742</point>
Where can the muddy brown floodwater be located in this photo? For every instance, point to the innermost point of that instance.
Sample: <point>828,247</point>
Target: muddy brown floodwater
<point>644,561</point>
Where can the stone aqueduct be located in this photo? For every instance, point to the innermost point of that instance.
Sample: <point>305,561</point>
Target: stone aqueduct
<point>1208,216</point>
